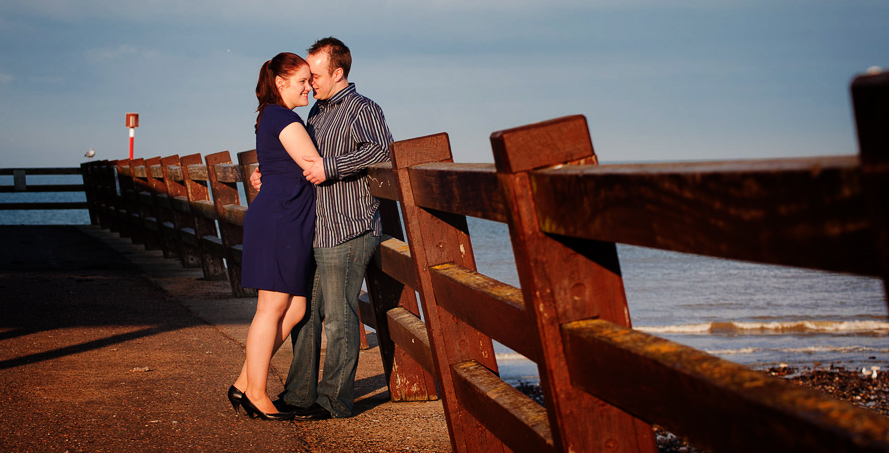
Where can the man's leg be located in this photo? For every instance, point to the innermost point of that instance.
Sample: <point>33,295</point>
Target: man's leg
<point>341,272</point>
<point>301,387</point>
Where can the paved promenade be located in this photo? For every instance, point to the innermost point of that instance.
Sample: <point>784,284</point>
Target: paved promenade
<point>105,347</point>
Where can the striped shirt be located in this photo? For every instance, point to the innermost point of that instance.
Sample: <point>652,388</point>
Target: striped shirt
<point>350,133</point>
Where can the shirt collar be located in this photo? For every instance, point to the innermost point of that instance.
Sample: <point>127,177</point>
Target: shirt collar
<point>339,96</point>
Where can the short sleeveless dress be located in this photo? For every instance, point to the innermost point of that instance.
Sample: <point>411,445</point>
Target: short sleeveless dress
<point>280,222</point>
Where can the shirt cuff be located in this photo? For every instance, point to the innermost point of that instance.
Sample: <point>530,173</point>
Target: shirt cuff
<point>330,172</point>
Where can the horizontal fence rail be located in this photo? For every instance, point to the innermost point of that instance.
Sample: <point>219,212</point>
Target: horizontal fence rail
<point>604,383</point>
<point>20,185</point>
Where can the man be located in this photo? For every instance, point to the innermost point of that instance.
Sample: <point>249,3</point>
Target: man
<point>350,133</point>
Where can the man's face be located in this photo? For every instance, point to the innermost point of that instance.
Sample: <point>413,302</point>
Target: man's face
<point>322,81</point>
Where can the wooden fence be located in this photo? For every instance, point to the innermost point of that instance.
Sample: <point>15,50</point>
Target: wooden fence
<point>20,185</point>
<point>604,383</point>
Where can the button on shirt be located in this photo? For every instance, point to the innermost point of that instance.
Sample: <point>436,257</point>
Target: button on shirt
<point>350,133</point>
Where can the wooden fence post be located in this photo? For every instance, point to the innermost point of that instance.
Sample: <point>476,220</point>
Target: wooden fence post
<point>226,193</point>
<point>870,103</point>
<point>249,163</point>
<point>564,280</point>
<point>407,379</point>
<point>163,208</point>
<point>89,172</point>
<point>183,222</point>
<point>198,191</point>
<point>436,238</point>
<point>124,206</point>
<point>145,202</point>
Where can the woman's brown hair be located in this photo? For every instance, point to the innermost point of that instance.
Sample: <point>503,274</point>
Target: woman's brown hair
<point>284,64</point>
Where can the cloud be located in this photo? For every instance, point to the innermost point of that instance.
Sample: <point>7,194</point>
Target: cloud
<point>6,78</point>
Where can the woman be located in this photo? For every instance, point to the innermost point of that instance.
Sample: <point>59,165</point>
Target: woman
<point>278,228</point>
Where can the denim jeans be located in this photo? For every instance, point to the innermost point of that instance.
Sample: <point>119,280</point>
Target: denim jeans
<point>338,277</point>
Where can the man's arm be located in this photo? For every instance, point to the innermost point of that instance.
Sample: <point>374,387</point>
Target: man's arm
<point>370,130</point>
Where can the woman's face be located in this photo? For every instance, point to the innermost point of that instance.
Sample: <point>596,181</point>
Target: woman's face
<point>295,89</point>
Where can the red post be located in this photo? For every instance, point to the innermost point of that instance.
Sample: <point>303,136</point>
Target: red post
<point>132,123</point>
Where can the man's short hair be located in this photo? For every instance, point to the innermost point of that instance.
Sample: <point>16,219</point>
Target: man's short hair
<point>340,57</point>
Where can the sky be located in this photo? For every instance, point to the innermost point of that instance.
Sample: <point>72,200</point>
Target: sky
<point>657,81</point>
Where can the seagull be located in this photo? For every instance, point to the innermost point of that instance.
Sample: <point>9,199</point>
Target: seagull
<point>90,153</point>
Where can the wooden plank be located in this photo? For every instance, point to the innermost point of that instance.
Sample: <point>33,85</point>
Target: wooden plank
<point>198,191</point>
<point>181,204</point>
<point>564,283</point>
<point>146,198</point>
<point>226,194</point>
<point>234,214</point>
<point>198,172</point>
<point>188,236</point>
<point>394,258</point>
<point>228,173</point>
<point>559,140</point>
<point>437,238</point>
<point>213,244</point>
<point>249,163</point>
<point>769,211</point>
<point>366,312</point>
<point>204,209</point>
<point>175,173</point>
<point>163,201</point>
<point>159,206</point>
<point>409,333</point>
<point>465,189</point>
<point>685,390</point>
<point>383,182</point>
<point>494,308</point>
<point>407,379</point>
<point>156,172</point>
<point>870,102</point>
<point>513,417</point>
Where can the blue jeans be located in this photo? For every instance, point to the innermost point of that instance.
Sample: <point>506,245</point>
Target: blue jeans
<point>334,302</point>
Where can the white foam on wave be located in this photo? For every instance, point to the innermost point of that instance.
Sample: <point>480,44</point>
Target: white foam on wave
<point>804,350</point>
<point>738,327</point>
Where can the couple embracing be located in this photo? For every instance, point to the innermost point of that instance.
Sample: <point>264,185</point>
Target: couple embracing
<point>310,232</point>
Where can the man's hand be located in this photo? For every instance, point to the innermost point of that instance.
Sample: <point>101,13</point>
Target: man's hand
<point>256,180</point>
<point>315,173</point>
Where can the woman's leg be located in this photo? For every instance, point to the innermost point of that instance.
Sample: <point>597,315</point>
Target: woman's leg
<point>262,337</point>
<point>295,308</point>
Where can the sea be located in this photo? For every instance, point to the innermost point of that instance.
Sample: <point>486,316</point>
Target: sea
<point>757,315</point>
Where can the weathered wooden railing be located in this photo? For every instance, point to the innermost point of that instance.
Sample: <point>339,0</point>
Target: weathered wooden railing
<point>603,382</point>
<point>20,185</point>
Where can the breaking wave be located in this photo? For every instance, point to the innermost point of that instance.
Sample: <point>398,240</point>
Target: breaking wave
<point>767,328</point>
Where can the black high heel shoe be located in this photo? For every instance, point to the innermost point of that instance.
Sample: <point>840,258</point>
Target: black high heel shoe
<point>253,412</point>
<point>236,397</point>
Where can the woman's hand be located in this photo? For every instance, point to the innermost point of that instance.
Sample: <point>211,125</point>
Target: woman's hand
<point>256,180</point>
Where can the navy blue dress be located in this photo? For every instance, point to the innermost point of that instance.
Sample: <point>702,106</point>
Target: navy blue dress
<point>280,223</point>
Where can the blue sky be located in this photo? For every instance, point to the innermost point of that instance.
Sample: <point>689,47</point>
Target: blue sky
<point>679,80</point>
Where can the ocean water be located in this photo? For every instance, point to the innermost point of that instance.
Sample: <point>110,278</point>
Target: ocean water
<point>40,217</point>
<point>752,314</point>
<point>756,315</point>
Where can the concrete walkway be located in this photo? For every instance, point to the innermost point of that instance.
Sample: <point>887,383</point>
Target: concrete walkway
<point>107,347</point>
